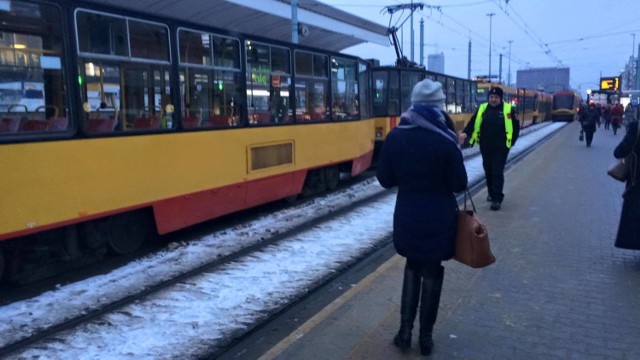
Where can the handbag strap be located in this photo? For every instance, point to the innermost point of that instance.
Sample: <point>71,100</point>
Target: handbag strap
<point>467,193</point>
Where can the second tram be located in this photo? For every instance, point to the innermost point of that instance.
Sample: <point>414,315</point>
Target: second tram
<point>566,106</point>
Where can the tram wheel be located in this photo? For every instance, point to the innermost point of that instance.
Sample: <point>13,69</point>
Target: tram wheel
<point>332,177</point>
<point>129,232</point>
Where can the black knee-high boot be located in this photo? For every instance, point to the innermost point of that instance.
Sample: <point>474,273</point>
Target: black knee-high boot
<point>429,304</point>
<point>408,306</point>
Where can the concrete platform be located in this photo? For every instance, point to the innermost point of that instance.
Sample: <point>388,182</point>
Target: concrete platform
<point>559,288</point>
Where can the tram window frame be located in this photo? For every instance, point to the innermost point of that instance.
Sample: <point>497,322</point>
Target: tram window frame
<point>380,87</point>
<point>186,39</point>
<point>269,83</point>
<point>312,90</point>
<point>41,109</point>
<point>344,74</point>
<point>142,29</point>
<point>210,107</point>
<point>128,55</point>
<point>149,77</point>
<point>408,81</point>
<point>365,81</point>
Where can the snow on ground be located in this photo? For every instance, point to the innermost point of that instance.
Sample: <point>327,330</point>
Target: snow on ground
<point>204,311</point>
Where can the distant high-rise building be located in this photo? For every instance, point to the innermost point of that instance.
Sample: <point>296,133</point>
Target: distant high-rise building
<point>548,79</point>
<point>435,63</point>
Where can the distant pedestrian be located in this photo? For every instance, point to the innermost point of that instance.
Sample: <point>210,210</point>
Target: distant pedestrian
<point>422,157</point>
<point>628,236</point>
<point>629,115</point>
<point>617,112</point>
<point>589,120</point>
<point>606,116</point>
<point>496,128</point>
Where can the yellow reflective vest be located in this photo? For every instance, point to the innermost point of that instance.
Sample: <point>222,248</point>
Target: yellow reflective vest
<point>508,125</point>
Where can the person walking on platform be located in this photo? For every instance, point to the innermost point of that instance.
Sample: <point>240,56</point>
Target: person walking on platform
<point>589,119</point>
<point>496,128</point>
<point>628,236</point>
<point>629,115</point>
<point>617,112</point>
<point>422,157</point>
<point>606,116</point>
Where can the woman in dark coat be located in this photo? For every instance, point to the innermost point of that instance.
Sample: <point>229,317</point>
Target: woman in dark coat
<point>422,157</point>
<point>629,228</point>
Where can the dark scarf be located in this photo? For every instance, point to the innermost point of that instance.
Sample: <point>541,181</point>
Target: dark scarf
<point>427,117</point>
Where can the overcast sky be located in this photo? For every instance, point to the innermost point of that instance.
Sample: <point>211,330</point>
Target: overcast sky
<point>591,37</point>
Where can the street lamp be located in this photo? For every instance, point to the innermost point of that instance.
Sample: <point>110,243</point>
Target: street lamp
<point>490,15</point>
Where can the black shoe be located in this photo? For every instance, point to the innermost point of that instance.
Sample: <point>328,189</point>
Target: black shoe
<point>426,346</point>
<point>495,206</point>
<point>403,339</point>
<point>489,199</point>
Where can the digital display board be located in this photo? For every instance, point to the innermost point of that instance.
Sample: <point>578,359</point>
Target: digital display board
<point>610,83</point>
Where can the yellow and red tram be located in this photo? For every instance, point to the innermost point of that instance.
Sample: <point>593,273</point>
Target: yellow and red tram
<point>148,125</point>
<point>566,105</point>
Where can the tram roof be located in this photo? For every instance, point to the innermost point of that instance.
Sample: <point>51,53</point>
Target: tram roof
<point>329,28</point>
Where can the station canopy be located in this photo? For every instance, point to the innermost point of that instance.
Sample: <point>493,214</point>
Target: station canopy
<point>322,26</point>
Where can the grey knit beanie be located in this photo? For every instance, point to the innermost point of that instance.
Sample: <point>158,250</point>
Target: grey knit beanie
<point>427,92</point>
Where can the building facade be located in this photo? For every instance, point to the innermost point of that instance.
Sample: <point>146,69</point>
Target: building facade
<point>435,63</point>
<point>546,79</point>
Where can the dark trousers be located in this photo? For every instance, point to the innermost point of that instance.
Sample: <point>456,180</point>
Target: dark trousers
<point>493,162</point>
<point>588,135</point>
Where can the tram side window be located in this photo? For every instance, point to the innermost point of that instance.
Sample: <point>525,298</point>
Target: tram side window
<point>344,86</point>
<point>211,96</point>
<point>364,80</point>
<point>393,106</point>
<point>268,84</point>
<point>226,52</point>
<point>102,34</point>
<point>312,87</point>
<point>100,91</point>
<point>149,41</point>
<point>473,100</point>
<point>449,85</point>
<point>125,82</point>
<point>380,89</point>
<point>409,79</point>
<point>32,89</point>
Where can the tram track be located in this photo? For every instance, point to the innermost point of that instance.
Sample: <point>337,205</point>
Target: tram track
<point>290,225</point>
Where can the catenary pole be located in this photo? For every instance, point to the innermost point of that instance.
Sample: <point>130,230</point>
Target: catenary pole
<point>294,21</point>
<point>490,15</point>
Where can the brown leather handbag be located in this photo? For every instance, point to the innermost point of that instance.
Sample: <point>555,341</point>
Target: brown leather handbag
<point>472,238</point>
<point>624,169</point>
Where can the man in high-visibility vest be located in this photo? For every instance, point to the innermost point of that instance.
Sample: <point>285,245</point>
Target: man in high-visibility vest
<point>495,128</point>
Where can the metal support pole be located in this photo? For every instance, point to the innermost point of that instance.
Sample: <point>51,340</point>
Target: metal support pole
<point>421,42</point>
<point>294,21</point>
<point>469,61</point>
<point>490,15</point>
<point>412,40</point>
<point>509,75</point>
<point>638,69</point>
<point>500,69</point>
